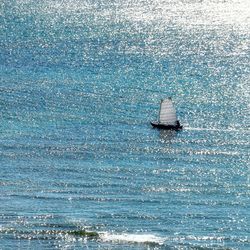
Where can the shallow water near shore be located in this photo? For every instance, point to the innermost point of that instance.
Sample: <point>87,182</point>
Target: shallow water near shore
<point>81,167</point>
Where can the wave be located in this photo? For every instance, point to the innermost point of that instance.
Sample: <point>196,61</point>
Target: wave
<point>132,238</point>
<point>151,240</point>
<point>218,129</point>
<point>90,235</point>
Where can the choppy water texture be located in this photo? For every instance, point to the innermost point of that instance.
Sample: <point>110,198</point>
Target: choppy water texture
<point>81,166</point>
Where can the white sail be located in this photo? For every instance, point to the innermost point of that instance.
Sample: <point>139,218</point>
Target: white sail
<point>167,112</point>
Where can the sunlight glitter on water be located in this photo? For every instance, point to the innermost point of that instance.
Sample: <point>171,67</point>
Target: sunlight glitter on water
<point>80,83</point>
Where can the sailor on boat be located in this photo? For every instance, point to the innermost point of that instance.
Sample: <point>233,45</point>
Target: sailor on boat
<point>167,116</point>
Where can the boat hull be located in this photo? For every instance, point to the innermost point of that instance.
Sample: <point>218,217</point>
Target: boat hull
<point>167,127</point>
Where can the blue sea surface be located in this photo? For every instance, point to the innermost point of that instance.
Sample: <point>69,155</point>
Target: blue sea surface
<point>80,82</point>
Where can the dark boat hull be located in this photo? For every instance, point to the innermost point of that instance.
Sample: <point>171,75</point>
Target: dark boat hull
<point>167,127</point>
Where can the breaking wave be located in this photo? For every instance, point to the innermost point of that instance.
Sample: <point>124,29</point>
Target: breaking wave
<point>132,238</point>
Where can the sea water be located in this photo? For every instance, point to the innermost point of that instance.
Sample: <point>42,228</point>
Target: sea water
<point>80,83</point>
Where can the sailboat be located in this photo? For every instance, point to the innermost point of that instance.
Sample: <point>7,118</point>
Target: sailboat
<point>167,116</point>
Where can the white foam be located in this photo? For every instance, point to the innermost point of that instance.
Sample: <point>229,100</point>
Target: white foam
<point>132,238</point>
